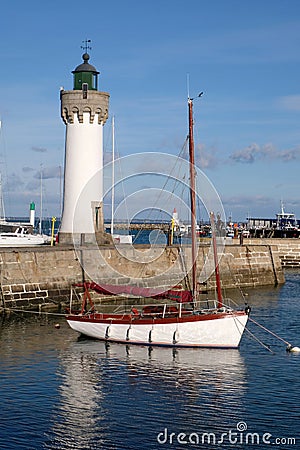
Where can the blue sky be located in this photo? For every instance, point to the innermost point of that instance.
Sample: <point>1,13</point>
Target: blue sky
<point>244,56</point>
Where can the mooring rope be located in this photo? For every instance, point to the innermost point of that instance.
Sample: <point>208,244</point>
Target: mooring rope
<point>269,331</point>
<point>265,329</point>
<point>258,340</point>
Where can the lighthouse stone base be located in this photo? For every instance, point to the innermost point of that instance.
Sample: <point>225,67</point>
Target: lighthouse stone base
<point>97,238</point>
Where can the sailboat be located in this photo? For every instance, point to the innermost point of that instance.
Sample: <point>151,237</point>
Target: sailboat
<point>173,318</point>
<point>16,234</point>
<point>20,238</point>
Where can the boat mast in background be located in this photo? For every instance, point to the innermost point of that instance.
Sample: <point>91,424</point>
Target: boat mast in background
<point>41,200</point>
<point>112,177</point>
<point>2,208</point>
<point>60,192</point>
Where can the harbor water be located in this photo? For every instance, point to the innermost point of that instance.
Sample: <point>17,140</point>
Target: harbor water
<point>59,391</point>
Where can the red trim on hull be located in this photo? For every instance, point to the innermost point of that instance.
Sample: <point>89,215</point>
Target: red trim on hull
<point>128,320</point>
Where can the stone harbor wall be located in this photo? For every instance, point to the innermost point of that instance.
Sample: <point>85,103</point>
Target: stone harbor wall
<point>288,250</point>
<point>39,278</point>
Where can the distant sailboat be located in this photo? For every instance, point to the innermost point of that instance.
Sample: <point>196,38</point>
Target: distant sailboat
<point>2,208</point>
<point>20,238</point>
<point>15,234</point>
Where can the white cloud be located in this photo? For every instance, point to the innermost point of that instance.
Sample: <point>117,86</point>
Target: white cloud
<point>39,149</point>
<point>206,158</point>
<point>267,152</point>
<point>27,169</point>
<point>49,172</point>
<point>14,183</point>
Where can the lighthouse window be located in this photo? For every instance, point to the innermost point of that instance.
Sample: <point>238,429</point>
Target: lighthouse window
<point>94,81</point>
<point>84,90</point>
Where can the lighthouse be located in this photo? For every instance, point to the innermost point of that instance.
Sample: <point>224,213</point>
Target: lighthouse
<point>84,110</point>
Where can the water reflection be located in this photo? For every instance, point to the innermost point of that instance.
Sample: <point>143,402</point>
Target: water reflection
<point>133,392</point>
<point>58,392</point>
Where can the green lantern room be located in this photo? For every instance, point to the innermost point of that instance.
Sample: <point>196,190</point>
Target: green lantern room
<point>85,75</point>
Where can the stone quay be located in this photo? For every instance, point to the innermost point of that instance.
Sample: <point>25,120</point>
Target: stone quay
<point>40,278</point>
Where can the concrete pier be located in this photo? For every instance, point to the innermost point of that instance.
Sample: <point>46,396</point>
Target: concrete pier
<point>36,278</point>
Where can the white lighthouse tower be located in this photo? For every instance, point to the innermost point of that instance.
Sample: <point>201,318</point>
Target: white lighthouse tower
<point>84,110</point>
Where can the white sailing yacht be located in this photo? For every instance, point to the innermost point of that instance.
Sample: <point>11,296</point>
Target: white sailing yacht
<point>175,317</point>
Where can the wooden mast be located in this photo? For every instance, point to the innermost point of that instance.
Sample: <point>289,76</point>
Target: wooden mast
<point>216,260</point>
<point>193,198</point>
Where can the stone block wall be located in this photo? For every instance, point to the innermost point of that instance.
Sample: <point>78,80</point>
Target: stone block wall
<point>38,278</point>
<point>288,250</point>
<point>33,277</point>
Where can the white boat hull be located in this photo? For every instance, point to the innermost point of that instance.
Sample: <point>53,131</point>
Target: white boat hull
<point>20,241</point>
<point>222,331</point>
<point>20,238</point>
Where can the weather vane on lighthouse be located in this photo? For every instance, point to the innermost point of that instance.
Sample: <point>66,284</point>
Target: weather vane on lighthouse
<point>86,45</point>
